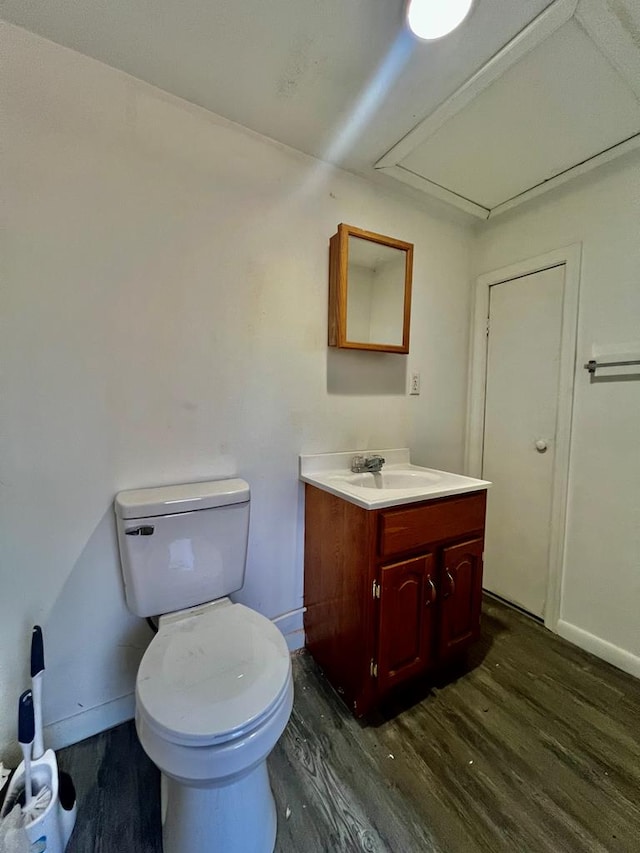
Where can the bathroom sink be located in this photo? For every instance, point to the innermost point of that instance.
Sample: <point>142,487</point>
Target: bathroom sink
<point>393,479</point>
<point>398,483</point>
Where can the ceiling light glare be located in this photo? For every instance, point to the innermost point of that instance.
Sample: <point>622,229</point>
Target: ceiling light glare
<point>433,19</point>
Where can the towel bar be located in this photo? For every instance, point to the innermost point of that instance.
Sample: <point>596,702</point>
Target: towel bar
<point>592,365</point>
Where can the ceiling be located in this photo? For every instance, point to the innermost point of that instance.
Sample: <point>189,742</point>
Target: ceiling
<point>341,81</point>
<point>559,99</point>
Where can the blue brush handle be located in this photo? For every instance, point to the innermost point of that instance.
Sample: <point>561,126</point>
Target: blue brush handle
<point>26,721</point>
<point>37,651</point>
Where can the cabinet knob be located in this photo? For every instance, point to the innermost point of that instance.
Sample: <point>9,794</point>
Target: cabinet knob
<point>452,584</point>
<point>432,593</point>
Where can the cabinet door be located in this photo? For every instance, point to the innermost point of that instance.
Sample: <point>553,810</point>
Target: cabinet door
<point>407,602</point>
<point>461,596</point>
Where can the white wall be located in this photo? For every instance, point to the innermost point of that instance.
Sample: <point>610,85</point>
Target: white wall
<point>164,319</point>
<point>601,590</point>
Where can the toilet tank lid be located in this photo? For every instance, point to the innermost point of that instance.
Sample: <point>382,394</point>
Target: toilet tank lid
<point>169,500</point>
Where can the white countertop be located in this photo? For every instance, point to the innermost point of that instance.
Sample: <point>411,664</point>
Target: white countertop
<point>332,473</point>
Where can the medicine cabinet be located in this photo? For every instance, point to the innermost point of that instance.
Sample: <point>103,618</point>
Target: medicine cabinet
<point>369,291</point>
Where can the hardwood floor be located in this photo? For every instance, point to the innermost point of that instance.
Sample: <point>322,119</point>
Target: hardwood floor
<point>534,748</point>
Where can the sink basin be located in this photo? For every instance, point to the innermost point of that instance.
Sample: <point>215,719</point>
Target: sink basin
<point>398,483</point>
<point>393,480</point>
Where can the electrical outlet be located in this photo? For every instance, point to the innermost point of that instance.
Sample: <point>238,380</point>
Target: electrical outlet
<point>414,385</point>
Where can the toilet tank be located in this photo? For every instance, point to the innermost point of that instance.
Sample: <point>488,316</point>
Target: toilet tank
<point>181,546</point>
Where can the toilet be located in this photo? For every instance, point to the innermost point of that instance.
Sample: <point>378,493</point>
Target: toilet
<point>214,690</point>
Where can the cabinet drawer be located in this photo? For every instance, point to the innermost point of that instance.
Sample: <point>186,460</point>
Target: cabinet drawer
<point>407,528</point>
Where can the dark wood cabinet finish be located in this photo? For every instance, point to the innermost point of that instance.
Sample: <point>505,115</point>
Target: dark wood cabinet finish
<point>418,525</point>
<point>393,593</point>
<point>405,625</point>
<point>461,596</point>
<point>339,543</point>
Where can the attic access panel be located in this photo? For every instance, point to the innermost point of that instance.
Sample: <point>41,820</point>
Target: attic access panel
<point>559,99</point>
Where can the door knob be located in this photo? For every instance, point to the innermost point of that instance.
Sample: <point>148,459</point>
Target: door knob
<point>541,445</point>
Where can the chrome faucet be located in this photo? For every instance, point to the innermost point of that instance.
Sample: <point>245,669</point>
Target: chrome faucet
<point>370,464</point>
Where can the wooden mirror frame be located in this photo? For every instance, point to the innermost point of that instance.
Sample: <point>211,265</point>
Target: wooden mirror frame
<point>339,288</point>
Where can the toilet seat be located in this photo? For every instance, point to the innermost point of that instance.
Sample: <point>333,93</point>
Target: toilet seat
<point>212,674</point>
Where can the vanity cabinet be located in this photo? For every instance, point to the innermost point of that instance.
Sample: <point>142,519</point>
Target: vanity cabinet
<point>390,594</point>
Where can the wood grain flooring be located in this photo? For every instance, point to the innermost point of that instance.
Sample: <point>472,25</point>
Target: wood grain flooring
<point>533,747</point>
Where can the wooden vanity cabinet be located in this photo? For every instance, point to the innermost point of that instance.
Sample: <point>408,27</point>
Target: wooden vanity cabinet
<point>390,594</point>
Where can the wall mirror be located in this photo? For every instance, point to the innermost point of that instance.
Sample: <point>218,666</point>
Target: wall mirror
<point>369,291</point>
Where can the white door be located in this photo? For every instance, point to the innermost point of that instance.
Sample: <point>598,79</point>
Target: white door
<point>521,407</point>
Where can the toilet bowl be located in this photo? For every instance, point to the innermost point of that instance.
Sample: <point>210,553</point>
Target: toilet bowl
<point>214,693</point>
<point>214,689</point>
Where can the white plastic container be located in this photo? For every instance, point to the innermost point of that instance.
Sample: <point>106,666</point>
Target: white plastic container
<point>51,830</point>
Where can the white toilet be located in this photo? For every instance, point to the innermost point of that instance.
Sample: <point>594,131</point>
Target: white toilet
<point>214,690</point>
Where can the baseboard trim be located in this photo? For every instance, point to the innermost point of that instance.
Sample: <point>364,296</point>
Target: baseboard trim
<point>626,661</point>
<point>295,640</point>
<point>89,722</point>
<point>291,626</point>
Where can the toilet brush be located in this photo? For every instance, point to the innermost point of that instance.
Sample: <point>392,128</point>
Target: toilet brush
<point>61,788</point>
<point>35,802</point>
<point>37,671</point>
<point>42,799</point>
<point>47,796</point>
<point>26,731</point>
